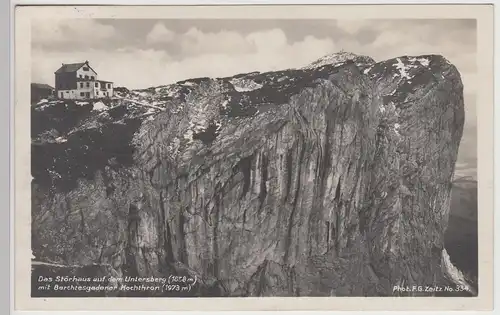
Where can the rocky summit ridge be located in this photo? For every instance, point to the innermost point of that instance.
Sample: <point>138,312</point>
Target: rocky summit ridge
<point>333,179</point>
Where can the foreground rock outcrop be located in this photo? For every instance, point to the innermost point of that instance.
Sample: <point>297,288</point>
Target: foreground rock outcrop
<point>333,179</point>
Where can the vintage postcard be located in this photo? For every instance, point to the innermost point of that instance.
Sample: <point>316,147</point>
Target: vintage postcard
<point>319,157</point>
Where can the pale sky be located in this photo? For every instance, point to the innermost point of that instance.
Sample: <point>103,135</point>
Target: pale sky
<point>143,53</point>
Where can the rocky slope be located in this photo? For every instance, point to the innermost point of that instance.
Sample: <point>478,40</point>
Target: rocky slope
<point>333,179</point>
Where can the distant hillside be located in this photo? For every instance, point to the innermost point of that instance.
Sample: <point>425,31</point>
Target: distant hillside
<point>461,238</point>
<point>464,198</point>
<point>40,91</point>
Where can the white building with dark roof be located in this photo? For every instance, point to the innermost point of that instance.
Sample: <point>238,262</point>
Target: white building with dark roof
<point>80,81</point>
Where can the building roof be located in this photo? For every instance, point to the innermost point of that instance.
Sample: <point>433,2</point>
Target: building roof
<point>104,81</point>
<point>42,86</point>
<point>72,67</point>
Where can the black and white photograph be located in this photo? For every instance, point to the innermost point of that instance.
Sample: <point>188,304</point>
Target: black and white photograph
<point>291,157</point>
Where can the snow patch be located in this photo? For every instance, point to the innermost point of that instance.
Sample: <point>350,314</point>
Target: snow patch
<point>198,128</point>
<point>241,85</point>
<point>151,111</point>
<point>161,88</point>
<point>198,122</point>
<point>335,59</point>
<point>367,70</point>
<point>99,106</point>
<point>81,103</point>
<point>402,68</point>
<point>456,275</point>
<point>219,125</point>
<point>389,107</point>
<point>42,101</point>
<point>424,62</point>
<point>167,91</point>
<point>135,102</point>
<point>42,107</point>
<point>55,174</point>
<point>61,140</point>
<point>396,128</point>
<point>172,92</point>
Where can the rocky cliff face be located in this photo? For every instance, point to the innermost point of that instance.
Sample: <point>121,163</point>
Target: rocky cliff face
<point>333,179</point>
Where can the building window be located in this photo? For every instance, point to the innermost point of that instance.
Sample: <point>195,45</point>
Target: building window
<point>61,94</point>
<point>88,84</point>
<point>97,84</point>
<point>82,94</point>
<point>81,84</point>
<point>109,85</point>
<point>92,77</point>
<point>86,77</point>
<point>85,69</point>
<point>81,76</point>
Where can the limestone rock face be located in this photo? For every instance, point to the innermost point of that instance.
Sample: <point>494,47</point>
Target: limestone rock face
<point>333,179</point>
